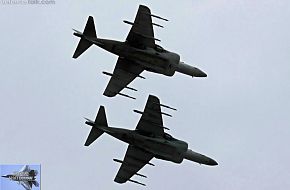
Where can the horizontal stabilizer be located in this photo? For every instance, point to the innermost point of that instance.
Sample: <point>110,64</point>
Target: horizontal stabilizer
<point>84,43</point>
<point>94,134</point>
<point>96,131</point>
<point>82,47</point>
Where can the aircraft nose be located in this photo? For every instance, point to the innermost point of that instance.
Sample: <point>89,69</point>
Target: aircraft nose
<point>200,73</point>
<point>4,176</point>
<point>212,162</point>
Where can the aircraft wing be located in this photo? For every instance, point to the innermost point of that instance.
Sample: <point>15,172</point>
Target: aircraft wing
<point>151,119</point>
<point>124,73</point>
<point>25,168</point>
<point>26,184</point>
<point>134,160</point>
<point>141,33</point>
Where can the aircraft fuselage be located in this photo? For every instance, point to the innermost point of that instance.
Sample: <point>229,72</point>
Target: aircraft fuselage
<point>158,61</point>
<point>165,148</point>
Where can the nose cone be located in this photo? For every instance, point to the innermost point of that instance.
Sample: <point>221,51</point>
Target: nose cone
<point>212,162</point>
<point>199,73</point>
<point>190,70</point>
<point>199,158</point>
<point>4,176</point>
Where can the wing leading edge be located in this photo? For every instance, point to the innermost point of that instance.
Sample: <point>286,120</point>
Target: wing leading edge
<point>151,119</point>
<point>141,33</point>
<point>134,160</point>
<point>124,73</point>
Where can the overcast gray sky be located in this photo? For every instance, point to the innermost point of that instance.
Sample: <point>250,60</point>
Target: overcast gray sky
<point>238,115</point>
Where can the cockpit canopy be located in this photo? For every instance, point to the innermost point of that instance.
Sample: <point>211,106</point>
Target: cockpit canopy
<point>167,136</point>
<point>159,49</point>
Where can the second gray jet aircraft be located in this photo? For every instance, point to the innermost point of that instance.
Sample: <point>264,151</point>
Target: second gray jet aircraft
<point>147,141</point>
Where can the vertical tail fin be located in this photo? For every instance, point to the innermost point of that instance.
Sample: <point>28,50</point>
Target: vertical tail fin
<point>96,131</point>
<point>84,43</point>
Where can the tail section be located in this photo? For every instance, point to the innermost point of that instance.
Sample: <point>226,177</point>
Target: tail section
<point>89,33</point>
<point>97,125</point>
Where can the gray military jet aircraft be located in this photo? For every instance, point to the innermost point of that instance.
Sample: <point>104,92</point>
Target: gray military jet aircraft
<point>147,141</point>
<point>138,53</point>
<point>25,177</point>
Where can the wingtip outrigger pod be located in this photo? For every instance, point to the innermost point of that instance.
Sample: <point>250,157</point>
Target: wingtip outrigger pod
<point>86,36</point>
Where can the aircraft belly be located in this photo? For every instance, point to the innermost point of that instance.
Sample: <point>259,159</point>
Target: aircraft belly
<point>149,60</point>
<point>161,149</point>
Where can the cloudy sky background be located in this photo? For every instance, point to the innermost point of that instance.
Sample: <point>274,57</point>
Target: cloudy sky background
<point>238,115</point>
